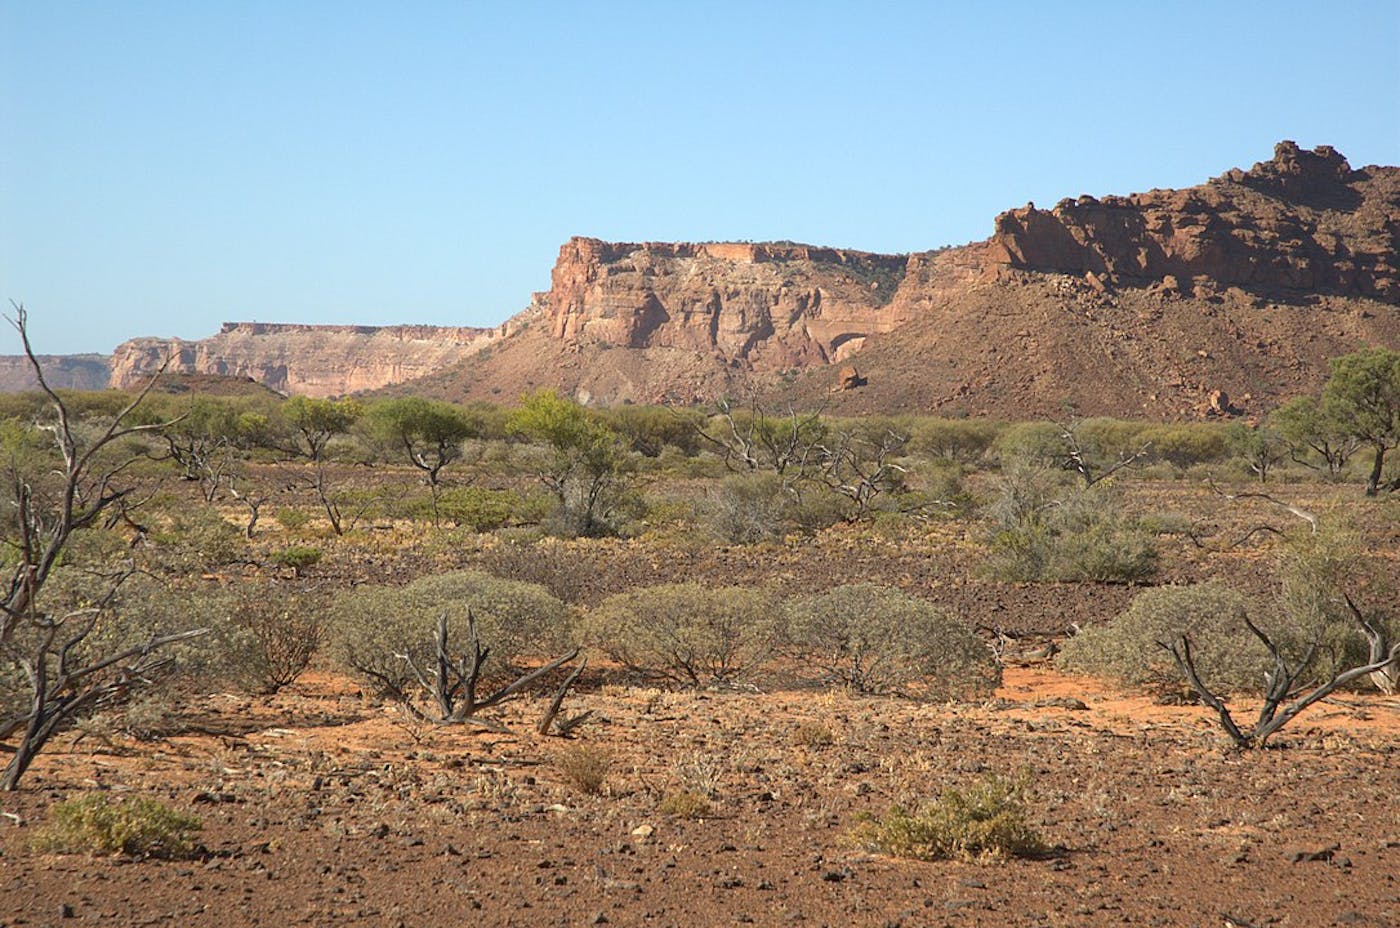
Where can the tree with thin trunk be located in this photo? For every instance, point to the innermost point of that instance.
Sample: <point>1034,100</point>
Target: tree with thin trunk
<point>49,650</point>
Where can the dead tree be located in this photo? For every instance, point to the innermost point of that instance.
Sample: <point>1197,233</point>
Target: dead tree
<point>1076,459</point>
<point>861,470</point>
<point>47,648</point>
<point>452,681</point>
<point>752,440</point>
<point>1286,691</point>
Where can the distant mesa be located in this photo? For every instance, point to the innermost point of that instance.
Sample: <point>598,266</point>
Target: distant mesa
<point>1146,304</point>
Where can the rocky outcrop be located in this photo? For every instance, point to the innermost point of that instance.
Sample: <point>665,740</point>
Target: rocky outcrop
<point>314,360</point>
<point>1304,222</point>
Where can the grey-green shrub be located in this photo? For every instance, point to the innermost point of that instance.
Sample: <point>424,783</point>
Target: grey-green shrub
<point>685,632</point>
<point>750,508</point>
<point>372,627</point>
<point>1227,656</point>
<point>876,639</point>
<point>1043,527</point>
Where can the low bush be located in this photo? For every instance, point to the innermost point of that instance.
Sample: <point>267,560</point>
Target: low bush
<point>1128,649</point>
<point>684,804</point>
<point>1043,528</point>
<point>985,821</point>
<point>750,508</point>
<point>584,767</point>
<point>685,632</point>
<point>298,557</point>
<point>94,824</point>
<point>374,627</point>
<point>880,640</point>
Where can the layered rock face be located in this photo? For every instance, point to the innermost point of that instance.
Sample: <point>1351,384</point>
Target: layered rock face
<point>314,360</point>
<point>62,372</point>
<point>1303,222</point>
<point>769,306</point>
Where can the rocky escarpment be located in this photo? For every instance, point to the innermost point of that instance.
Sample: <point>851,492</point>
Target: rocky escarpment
<point>1304,222</point>
<point>62,372</point>
<point>314,360</point>
<point>1147,303</point>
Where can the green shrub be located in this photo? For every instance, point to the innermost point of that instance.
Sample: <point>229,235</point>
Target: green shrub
<point>685,632</point>
<point>93,824</point>
<point>298,558</point>
<point>374,626</point>
<point>1227,656</point>
<point>292,520</point>
<point>1044,528</point>
<point>985,821</point>
<point>880,640</point>
<point>965,441</point>
<point>197,539</point>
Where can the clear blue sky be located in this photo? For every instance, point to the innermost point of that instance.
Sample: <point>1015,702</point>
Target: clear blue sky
<point>168,166</point>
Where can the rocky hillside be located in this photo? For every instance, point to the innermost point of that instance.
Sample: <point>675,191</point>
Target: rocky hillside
<point>1145,304</point>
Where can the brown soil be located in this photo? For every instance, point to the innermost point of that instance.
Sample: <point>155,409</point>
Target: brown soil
<point>321,808</point>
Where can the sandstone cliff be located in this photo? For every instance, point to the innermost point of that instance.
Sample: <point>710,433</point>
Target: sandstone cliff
<point>315,360</point>
<point>63,372</point>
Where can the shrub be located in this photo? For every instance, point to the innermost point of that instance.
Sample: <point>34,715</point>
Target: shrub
<point>1042,528</point>
<point>685,632</point>
<point>814,735</point>
<point>298,558</point>
<point>880,640</point>
<point>584,767</point>
<point>965,441</point>
<point>285,629</point>
<point>985,821</point>
<point>750,508</point>
<point>292,519</point>
<point>684,804</point>
<point>1127,649</point>
<point>197,539</point>
<point>374,626</point>
<point>135,827</point>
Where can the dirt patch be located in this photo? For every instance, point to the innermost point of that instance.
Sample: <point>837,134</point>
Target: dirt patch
<point>323,808</point>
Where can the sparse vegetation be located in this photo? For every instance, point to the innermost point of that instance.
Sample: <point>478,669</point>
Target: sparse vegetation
<point>986,820</point>
<point>137,827</point>
<point>585,767</point>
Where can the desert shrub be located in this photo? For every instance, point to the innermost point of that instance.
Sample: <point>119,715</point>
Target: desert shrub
<point>880,640</point>
<point>965,441</point>
<point>485,510</point>
<point>549,563</point>
<point>684,632</point>
<point>197,539</point>
<point>985,820</point>
<point>298,558</point>
<point>584,767</point>
<point>684,804</point>
<point>1183,446</point>
<point>373,627</point>
<point>750,508</point>
<point>1030,444</point>
<point>292,520</point>
<point>284,629</point>
<point>1212,615</point>
<point>93,824</point>
<point>1043,528</point>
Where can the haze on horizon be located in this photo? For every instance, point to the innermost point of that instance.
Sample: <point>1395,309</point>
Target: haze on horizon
<point>165,166</point>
